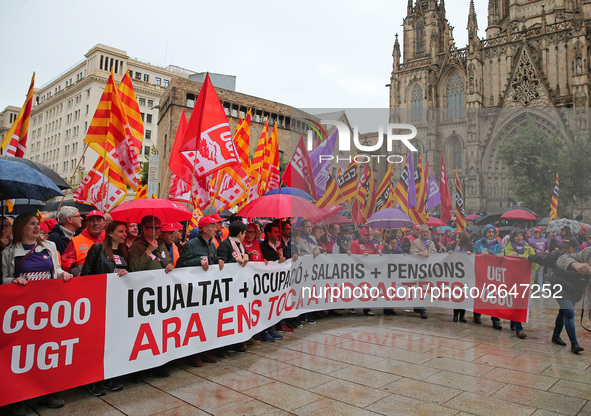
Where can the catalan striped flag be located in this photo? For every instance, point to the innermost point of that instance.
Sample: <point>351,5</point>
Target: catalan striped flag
<point>418,213</point>
<point>405,192</point>
<point>460,213</point>
<point>15,141</point>
<point>554,202</point>
<point>142,192</point>
<point>369,201</point>
<point>256,165</point>
<point>332,194</point>
<point>109,134</point>
<point>132,111</point>
<point>347,181</point>
<point>271,163</point>
<point>385,190</point>
<point>242,141</point>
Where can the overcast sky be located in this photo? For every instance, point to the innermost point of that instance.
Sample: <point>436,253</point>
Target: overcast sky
<point>307,54</point>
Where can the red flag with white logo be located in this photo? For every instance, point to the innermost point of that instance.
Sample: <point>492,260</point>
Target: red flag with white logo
<point>299,171</point>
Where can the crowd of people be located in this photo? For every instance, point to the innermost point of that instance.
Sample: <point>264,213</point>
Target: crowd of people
<point>71,246</point>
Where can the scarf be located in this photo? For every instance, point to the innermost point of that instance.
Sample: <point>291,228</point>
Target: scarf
<point>238,249</point>
<point>426,242</point>
<point>519,248</point>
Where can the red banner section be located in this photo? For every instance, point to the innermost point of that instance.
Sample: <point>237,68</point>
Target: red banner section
<point>504,284</point>
<point>53,336</point>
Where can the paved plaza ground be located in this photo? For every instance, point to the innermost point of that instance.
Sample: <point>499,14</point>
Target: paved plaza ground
<point>361,365</point>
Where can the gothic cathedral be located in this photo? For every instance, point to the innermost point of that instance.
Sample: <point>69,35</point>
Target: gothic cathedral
<point>535,60</point>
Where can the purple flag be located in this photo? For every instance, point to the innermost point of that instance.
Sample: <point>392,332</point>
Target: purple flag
<point>433,195</point>
<point>321,168</point>
<point>412,192</point>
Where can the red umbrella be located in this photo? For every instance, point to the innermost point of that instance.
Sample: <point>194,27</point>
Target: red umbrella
<point>472,217</point>
<point>337,219</point>
<point>519,214</point>
<point>435,222</point>
<point>326,212</point>
<point>163,209</point>
<point>280,206</point>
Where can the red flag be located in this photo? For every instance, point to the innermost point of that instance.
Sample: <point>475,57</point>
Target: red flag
<point>460,214</point>
<point>299,170</point>
<point>102,187</point>
<point>207,145</point>
<point>445,197</point>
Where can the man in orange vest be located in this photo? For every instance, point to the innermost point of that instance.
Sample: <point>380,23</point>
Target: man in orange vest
<point>167,237</point>
<point>75,253</point>
<point>221,232</point>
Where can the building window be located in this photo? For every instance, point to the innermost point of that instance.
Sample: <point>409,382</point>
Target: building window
<point>165,84</point>
<point>138,75</point>
<point>142,102</point>
<point>150,103</point>
<point>149,118</point>
<point>146,77</point>
<point>148,134</point>
<point>143,116</point>
<point>456,151</point>
<point>158,81</point>
<point>130,73</point>
<point>455,97</point>
<point>420,38</point>
<point>416,100</point>
<point>191,100</point>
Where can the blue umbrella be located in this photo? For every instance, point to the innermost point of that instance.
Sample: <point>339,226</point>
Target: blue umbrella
<point>291,191</point>
<point>18,180</point>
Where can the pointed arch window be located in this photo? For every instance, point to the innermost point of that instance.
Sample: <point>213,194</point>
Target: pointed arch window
<point>419,38</point>
<point>455,96</point>
<point>456,154</point>
<point>416,102</point>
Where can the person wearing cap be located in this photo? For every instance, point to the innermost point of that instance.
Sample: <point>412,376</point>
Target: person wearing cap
<point>69,222</point>
<point>75,253</point>
<point>518,247</point>
<point>582,235</point>
<point>540,246</point>
<point>366,247</point>
<point>438,240</point>
<point>221,232</point>
<point>409,239</point>
<point>201,251</point>
<point>586,244</point>
<point>167,238</point>
<point>146,252</point>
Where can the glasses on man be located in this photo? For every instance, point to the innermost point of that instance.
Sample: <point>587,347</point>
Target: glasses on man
<point>154,227</point>
<point>251,232</point>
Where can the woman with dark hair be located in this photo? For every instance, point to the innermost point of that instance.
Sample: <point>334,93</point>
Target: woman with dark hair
<point>108,257</point>
<point>518,247</point>
<point>29,258</point>
<point>463,244</point>
<point>231,249</point>
<point>111,255</point>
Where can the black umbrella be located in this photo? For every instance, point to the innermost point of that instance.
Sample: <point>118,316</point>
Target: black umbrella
<point>26,206</point>
<point>50,173</point>
<point>489,218</point>
<point>82,208</point>
<point>18,180</point>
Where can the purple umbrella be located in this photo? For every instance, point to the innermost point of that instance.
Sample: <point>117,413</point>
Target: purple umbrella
<point>389,218</point>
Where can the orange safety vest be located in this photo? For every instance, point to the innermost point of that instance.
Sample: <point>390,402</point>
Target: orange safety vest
<point>81,246</point>
<point>175,254</point>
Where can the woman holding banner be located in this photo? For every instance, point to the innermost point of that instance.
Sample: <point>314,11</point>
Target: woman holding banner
<point>26,259</point>
<point>108,257</point>
<point>489,244</point>
<point>518,247</point>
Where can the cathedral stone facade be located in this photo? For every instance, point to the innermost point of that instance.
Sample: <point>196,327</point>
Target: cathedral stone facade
<point>535,61</point>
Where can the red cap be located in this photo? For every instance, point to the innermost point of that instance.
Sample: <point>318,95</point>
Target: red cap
<point>95,213</point>
<point>364,230</point>
<point>172,226</point>
<point>438,232</point>
<point>584,228</point>
<point>416,227</point>
<point>205,221</point>
<point>216,217</point>
<point>48,225</point>
<point>538,230</point>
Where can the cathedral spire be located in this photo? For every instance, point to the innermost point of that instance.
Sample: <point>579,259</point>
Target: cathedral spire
<point>543,19</point>
<point>472,23</point>
<point>409,7</point>
<point>396,53</point>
